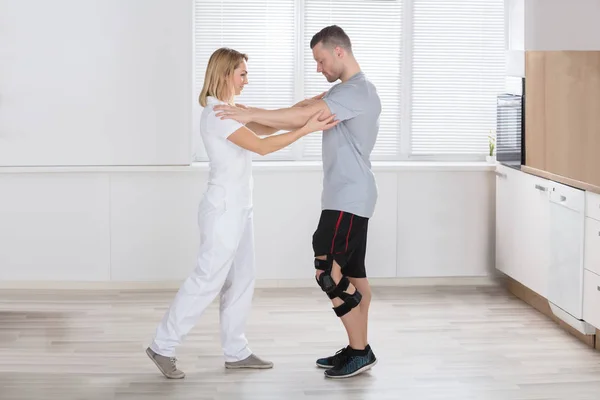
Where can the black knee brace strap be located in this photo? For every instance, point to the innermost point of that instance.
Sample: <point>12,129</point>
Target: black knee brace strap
<point>349,300</point>
<point>328,285</point>
<point>325,280</point>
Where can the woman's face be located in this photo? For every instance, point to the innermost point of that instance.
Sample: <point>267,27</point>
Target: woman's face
<point>240,78</point>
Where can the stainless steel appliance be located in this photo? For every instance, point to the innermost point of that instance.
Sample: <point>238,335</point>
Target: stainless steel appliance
<point>510,125</point>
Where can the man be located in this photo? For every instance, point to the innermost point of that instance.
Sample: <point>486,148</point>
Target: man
<point>349,189</point>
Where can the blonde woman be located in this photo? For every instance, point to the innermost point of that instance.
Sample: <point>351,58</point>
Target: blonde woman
<point>225,262</point>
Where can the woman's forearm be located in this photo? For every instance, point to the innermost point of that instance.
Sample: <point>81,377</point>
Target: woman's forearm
<point>260,129</point>
<point>274,143</point>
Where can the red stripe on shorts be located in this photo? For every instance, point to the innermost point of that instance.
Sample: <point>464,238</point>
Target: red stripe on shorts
<point>349,230</point>
<point>337,226</point>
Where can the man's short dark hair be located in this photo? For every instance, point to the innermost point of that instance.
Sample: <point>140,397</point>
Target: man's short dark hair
<point>331,37</point>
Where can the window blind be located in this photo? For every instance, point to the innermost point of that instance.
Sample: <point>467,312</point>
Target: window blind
<point>458,68</point>
<point>375,30</point>
<point>263,29</point>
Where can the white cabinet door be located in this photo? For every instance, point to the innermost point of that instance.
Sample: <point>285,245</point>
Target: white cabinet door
<point>505,219</point>
<point>533,232</point>
<point>523,228</point>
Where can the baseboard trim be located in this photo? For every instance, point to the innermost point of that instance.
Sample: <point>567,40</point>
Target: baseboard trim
<point>260,283</point>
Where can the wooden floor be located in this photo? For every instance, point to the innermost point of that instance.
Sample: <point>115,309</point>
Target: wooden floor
<point>462,343</point>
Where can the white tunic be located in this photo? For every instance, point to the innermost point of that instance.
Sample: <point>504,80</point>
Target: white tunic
<point>230,179</point>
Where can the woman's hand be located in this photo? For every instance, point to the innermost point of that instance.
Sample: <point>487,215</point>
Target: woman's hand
<point>241,115</point>
<point>315,124</point>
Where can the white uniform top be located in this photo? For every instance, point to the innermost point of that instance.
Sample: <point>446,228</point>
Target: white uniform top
<point>230,181</point>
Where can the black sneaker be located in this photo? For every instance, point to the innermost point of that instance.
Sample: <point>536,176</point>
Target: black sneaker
<point>330,362</point>
<point>352,363</point>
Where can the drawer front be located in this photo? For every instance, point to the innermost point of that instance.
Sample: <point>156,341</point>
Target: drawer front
<point>591,254</point>
<point>591,298</point>
<point>592,205</point>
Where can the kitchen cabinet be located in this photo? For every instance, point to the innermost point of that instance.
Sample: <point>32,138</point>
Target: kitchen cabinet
<point>592,205</point>
<point>533,231</point>
<point>592,245</point>
<point>506,189</point>
<point>523,228</point>
<point>567,218</point>
<point>562,122</point>
<point>540,242</point>
<point>591,294</point>
<point>591,298</point>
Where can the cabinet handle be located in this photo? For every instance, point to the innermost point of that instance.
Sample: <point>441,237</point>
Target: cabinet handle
<point>540,187</point>
<point>598,288</point>
<point>500,175</point>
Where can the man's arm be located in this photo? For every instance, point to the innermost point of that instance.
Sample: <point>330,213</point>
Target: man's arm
<point>284,118</point>
<point>248,140</point>
<point>291,117</point>
<point>259,129</point>
<point>267,130</point>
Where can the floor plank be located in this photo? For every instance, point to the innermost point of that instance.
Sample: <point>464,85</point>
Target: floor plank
<point>467,343</point>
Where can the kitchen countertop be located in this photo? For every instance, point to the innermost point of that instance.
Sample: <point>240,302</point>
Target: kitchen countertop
<point>561,179</point>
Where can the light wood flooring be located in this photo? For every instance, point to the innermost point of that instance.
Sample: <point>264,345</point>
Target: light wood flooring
<point>464,343</point>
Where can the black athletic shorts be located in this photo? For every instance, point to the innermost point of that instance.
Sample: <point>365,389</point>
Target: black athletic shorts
<point>343,236</point>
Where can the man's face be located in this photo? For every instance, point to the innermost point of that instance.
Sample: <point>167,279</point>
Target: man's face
<point>328,62</point>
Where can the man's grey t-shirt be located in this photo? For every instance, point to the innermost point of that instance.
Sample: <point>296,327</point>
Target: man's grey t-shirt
<point>349,184</point>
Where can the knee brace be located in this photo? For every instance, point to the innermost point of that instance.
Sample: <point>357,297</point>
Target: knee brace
<point>328,285</point>
<point>325,280</point>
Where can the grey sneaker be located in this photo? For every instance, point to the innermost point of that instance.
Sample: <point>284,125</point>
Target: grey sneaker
<point>252,361</point>
<point>166,365</point>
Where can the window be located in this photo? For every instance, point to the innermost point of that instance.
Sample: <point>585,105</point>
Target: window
<point>437,64</point>
<point>265,31</point>
<point>375,29</point>
<point>457,71</point>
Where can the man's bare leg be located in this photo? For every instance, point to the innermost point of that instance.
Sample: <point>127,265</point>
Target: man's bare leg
<point>353,321</point>
<point>363,287</point>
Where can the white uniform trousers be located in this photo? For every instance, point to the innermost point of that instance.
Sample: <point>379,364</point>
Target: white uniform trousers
<point>225,266</point>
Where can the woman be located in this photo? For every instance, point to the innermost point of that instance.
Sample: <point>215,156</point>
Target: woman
<point>225,263</point>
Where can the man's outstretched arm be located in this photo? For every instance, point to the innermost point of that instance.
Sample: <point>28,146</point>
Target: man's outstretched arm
<point>291,117</point>
<point>283,118</point>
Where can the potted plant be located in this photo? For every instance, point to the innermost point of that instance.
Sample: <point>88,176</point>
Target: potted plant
<point>491,157</point>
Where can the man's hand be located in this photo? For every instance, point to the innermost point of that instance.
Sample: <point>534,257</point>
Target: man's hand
<point>307,102</point>
<point>241,115</point>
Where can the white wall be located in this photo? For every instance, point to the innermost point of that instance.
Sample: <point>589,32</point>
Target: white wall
<point>140,224</point>
<point>95,82</point>
<point>109,83</point>
<point>549,25</point>
<point>514,14</point>
<point>562,25</point>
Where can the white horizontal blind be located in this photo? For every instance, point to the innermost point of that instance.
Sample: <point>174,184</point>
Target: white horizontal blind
<point>264,30</point>
<point>375,30</point>
<point>458,69</point>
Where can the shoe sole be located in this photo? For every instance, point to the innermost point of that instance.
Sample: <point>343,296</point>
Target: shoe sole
<point>358,371</point>
<point>324,366</point>
<point>160,369</point>
<point>248,366</point>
